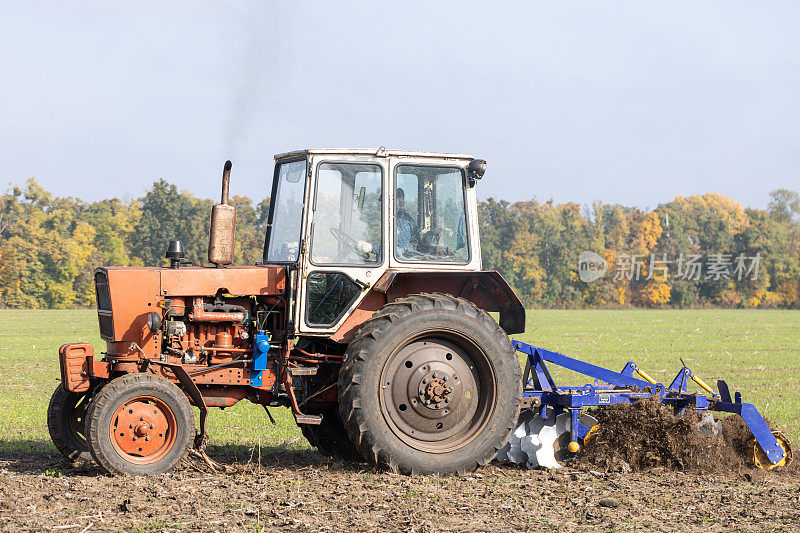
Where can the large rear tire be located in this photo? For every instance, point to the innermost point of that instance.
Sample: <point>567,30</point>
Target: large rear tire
<point>139,424</point>
<point>66,416</point>
<point>430,384</point>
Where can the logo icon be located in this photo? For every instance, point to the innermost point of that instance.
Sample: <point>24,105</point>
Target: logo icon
<point>591,266</point>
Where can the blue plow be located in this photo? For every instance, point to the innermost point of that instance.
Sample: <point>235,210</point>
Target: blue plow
<point>547,400</point>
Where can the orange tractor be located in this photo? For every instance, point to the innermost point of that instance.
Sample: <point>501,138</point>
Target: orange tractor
<point>367,318</point>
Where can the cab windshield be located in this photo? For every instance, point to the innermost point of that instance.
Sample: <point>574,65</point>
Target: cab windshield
<point>286,213</point>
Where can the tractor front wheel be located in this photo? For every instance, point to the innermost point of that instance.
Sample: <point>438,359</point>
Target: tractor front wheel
<point>140,424</point>
<point>66,421</point>
<point>430,384</point>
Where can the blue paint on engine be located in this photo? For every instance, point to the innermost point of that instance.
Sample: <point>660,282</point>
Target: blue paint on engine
<point>260,351</point>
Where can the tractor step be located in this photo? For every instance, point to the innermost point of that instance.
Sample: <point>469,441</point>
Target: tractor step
<point>303,371</point>
<point>312,420</point>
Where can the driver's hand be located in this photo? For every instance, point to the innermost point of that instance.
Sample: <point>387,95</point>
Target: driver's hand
<point>364,247</point>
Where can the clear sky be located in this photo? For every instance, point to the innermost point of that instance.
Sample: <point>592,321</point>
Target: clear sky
<point>625,102</point>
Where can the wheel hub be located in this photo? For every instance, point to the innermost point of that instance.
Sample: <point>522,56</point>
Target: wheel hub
<point>431,393</point>
<point>435,393</point>
<point>143,430</point>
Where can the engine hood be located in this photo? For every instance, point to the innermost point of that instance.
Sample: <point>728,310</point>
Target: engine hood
<point>127,295</point>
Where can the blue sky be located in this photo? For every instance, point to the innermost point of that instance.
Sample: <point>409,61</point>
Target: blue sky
<point>623,102</point>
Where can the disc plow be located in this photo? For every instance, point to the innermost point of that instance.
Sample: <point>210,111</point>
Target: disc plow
<point>554,425</point>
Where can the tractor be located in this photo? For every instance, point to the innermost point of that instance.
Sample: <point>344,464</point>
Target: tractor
<point>368,317</point>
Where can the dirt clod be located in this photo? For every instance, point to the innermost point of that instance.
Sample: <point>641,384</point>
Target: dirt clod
<point>648,436</point>
<point>608,502</point>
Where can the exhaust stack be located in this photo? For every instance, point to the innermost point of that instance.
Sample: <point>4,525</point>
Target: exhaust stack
<point>223,226</point>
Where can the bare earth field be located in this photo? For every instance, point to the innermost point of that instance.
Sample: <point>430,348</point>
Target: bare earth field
<point>304,492</point>
<point>274,481</point>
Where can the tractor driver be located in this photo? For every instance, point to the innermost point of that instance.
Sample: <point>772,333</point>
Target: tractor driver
<point>406,229</point>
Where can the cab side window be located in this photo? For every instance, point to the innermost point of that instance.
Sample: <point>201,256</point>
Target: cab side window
<point>430,215</point>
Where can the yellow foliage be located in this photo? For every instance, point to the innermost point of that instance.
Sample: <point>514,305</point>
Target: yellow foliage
<point>622,293</point>
<point>655,293</point>
<point>524,261</point>
<point>789,292</point>
<point>731,212</point>
<point>649,231</point>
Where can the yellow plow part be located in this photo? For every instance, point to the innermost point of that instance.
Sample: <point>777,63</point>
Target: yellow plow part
<point>702,383</point>
<point>645,376</point>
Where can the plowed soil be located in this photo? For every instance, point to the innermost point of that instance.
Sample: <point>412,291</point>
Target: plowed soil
<point>303,491</point>
<point>647,435</point>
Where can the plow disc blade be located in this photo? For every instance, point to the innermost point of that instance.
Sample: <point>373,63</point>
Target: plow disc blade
<point>541,442</point>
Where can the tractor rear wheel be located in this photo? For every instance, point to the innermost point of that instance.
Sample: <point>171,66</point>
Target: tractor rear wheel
<point>140,424</point>
<point>330,437</point>
<point>66,417</point>
<point>430,384</point>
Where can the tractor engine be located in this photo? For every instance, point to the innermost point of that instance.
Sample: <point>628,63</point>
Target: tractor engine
<point>205,331</point>
<point>206,320</point>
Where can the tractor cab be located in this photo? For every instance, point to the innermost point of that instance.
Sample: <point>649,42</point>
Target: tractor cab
<point>342,218</point>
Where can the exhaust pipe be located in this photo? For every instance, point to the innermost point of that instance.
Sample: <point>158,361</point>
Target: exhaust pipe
<point>223,226</point>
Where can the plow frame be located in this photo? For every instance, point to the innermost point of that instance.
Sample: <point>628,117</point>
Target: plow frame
<point>541,392</point>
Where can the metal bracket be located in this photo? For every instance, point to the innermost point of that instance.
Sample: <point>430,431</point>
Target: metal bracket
<point>194,393</point>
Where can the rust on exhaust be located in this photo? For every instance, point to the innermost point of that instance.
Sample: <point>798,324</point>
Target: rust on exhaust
<point>223,225</point>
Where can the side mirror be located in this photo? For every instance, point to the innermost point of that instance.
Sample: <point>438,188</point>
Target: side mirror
<point>476,169</point>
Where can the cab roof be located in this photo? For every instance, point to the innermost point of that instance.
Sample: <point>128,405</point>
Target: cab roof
<point>371,152</point>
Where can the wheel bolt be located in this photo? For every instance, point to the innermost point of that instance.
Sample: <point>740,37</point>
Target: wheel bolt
<point>147,437</point>
<point>152,426</point>
<point>435,374</point>
<point>141,418</point>
<point>134,437</point>
<point>438,406</point>
<point>130,426</point>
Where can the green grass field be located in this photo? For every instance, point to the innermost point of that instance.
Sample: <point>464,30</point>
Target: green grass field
<point>757,352</point>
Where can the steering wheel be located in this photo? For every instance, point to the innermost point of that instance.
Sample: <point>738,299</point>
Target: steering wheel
<point>344,239</point>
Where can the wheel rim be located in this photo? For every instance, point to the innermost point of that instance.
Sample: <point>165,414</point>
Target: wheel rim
<point>759,459</point>
<point>76,418</point>
<point>143,430</point>
<point>437,391</point>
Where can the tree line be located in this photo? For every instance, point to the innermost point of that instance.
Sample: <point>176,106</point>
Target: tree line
<point>694,251</point>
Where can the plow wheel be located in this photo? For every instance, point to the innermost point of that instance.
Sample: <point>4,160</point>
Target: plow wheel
<point>757,457</point>
<point>330,437</point>
<point>140,424</point>
<point>430,385</point>
<point>66,423</point>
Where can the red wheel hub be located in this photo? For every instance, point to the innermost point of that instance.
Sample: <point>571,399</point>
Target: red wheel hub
<point>143,430</point>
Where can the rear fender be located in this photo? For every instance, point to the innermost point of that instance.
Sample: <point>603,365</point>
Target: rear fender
<point>486,289</point>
